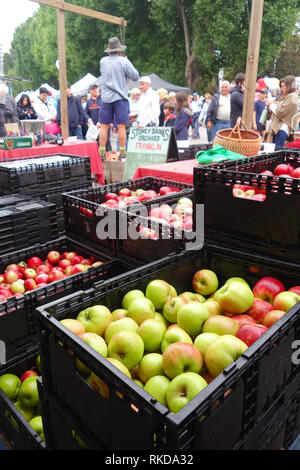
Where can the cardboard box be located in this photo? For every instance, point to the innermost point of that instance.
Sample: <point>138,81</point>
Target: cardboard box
<point>113,171</point>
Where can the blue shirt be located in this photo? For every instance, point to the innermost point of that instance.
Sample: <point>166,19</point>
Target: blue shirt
<point>259,106</point>
<point>115,70</point>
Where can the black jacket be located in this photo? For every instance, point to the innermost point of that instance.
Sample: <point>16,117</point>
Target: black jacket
<point>213,108</point>
<point>21,112</point>
<point>75,112</point>
<point>236,105</point>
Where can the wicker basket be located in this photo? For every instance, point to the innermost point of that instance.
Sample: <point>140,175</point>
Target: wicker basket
<point>244,142</point>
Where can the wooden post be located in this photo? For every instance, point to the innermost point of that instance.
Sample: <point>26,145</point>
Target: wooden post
<point>61,41</point>
<point>252,61</point>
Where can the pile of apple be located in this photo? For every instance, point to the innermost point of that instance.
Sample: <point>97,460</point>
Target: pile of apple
<point>249,192</point>
<point>174,344</point>
<point>126,196</point>
<point>284,169</point>
<point>26,276</point>
<point>23,392</point>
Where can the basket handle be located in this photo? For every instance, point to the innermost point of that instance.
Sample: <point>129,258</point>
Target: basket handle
<point>236,129</point>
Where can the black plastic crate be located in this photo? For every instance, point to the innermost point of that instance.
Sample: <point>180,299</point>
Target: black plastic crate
<point>222,415</point>
<point>169,239</point>
<point>26,223</point>
<point>272,226</point>
<point>18,327</point>
<point>19,434</point>
<point>27,175</point>
<point>83,211</point>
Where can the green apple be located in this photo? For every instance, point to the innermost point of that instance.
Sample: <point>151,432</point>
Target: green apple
<point>37,425</point>
<point>191,316</point>
<point>27,411</point>
<point>150,365</point>
<point>95,319</point>
<point>238,279</point>
<point>152,331</point>
<point>127,347</point>
<point>235,297</point>
<point>171,307</point>
<point>174,334</point>
<point>220,325</point>
<point>182,389</point>
<point>119,366</point>
<point>158,291</point>
<point>203,340</point>
<point>140,310</point>
<point>73,325</point>
<point>157,387</point>
<point>118,314</point>
<point>215,295</point>
<point>205,282</point>
<point>96,342</point>
<point>192,297</point>
<point>181,357</point>
<point>10,385</point>
<point>222,352</point>
<point>213,307</point>
<point>100,386</point>
<point>159,316</point>
<point>114,327</point>
<point>28,393</point>
<point>139,382</point>
<point>173,291</point>
<point>130,296</point>
<point>285,300</point>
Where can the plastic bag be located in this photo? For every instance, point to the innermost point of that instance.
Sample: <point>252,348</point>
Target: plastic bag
<point>217,154</point>
<point>92,132</point>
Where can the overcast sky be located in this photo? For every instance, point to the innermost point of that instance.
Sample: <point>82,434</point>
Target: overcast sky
<point>13,13</point>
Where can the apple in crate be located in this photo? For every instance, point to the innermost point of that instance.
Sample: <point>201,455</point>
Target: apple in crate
<point>34,262</point>
<point>10,276</point>
<point>124,192</point>
<point>220,325</point>
<point>140,310</point>
<point>272,317</point>
<point>28,373</point>
<point>250,333</point>
<point>286,300</point>
<point>235,297</point>
<point>95,319</point>
<point>205,282</point>
<point>295,289</point>
<point>191,317</point>
<point>30,284</point>
<point>73,325</point>
<point>114,327</point>
<point>17,287</point>
<point>243,319</point>
<point>283,169</point>
<point>157,387</point>
<point>181,357</point>
<point>110,196</point>
<point>259,310</point>
<point>182,389</point>
<point>149,366</point>
<point>166,190</point>
<point>127,347</point>
<point>152,331</point>
<point>54,256</point>
<point>174,334</point>
<point>296,172</point>
<point>267,288</point>
<point>10,385</point>
<point>222,352</point>
<point>146,232</point>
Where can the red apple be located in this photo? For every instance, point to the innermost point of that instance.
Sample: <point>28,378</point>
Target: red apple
<point>2,278</point>
<point>296,172</point>
<point>78,268</point>
<point>150,194</point>
<point>29,273</point>
<point>28,373</point>
<point>258,197</point>
<point>188,223</point>
<point>283,169</point>
<point>112,203</point>
<point>76,260</point>
<point>15,267</point>
<point>11,276</point>
<point>64,263</point>
<point>250,333</point>
<point>2,298</point>
<point>34,262</point>
<point>86,262</point>
<point>53,257</point>
<point>267,288</point>
<point>110,196</point>
<point>41,278</point>
<point>30,284</point>
<point>65,254</point>
<point>243,319</point>
<point>259,310</point>
<point>165,190</point>
<point>44,268</point>
<point>55,275</point>
<point>267,173</point>
<point>97,263</point>
<point>124,192</point>
<point>295,289</point>
<point>69,271</point>
<point>272,317</point>
<point>70,255</point>
<point>146,232</point>
<point>5,292</point>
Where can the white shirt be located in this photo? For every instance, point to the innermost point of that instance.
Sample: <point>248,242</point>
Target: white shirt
<point>149,108</point>
<point>223,112</point>
<point>44,110</point>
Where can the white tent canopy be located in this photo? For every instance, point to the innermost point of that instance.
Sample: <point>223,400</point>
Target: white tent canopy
<point>82,86</point>
<point>33,94</point>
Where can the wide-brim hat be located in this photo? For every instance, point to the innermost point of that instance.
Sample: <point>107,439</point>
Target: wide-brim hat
<point>114,45</point>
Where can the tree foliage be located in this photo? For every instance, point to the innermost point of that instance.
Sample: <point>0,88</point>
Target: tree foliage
<point>183,41</point>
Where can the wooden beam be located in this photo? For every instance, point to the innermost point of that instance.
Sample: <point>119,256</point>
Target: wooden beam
<point>60,4</point>
<point>252,60</point>
<point>61,41</point>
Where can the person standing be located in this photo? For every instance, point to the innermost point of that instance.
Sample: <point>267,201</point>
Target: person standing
<point>9,106</point>
<point>196,107</point>
<point>115,70</point>
<point>203,116</point>
<point>284,113</point>
<point>25,109</point>
<point>149,111</point>
<point>93,105</point>
<point>163,98</point>
<point>259,106</point>
<point>75,114</point>
<point>184,116</point>
<point>237,99</point>
<point>46,111</point>
<point>218,113</point>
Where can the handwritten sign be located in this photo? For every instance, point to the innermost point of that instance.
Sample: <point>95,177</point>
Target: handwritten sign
<point>149,146</point>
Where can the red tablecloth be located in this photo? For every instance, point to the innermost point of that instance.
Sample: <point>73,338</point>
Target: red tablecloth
<point>176,171</point>
<point>81,148</point>
<point>295,144</point>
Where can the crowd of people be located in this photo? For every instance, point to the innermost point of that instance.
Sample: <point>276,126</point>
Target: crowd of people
<point>113,109</point>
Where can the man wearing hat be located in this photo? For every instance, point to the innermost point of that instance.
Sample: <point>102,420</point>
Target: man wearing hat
<point>115,70</point>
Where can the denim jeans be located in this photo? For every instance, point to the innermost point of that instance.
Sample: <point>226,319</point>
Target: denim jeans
<point>220,124</point>
<point>76,132</point>
<point>195,124</point>
<point>280,138</point>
